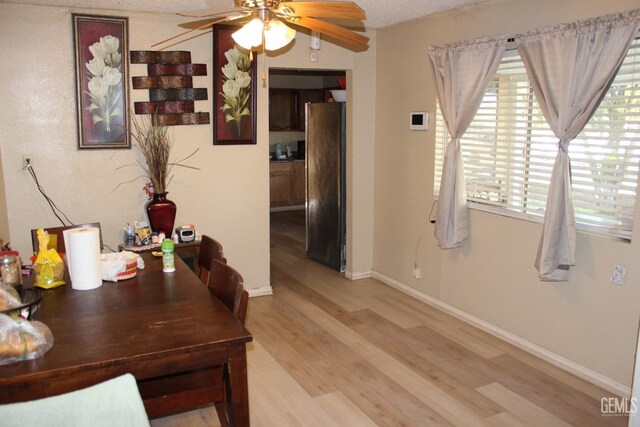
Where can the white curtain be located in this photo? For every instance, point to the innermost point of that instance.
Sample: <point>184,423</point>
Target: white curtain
<point>463,72</point>
<point>570,67</point>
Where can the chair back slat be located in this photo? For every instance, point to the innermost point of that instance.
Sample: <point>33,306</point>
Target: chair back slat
<point>210,249</point>
<point>226,284</point>
<point>59,237</point>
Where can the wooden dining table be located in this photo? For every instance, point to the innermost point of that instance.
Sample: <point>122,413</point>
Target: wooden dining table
<point>154,326</point>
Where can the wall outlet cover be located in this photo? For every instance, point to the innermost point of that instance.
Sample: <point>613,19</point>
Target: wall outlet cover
<point>618,275</point>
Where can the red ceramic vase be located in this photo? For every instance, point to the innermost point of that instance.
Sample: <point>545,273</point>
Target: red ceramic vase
<point>162,214</point>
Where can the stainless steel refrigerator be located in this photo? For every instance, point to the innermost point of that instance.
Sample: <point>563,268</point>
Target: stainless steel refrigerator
<point>325,165</point>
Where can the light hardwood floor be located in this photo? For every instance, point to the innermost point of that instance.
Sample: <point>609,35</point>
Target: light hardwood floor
<point>328,351</point>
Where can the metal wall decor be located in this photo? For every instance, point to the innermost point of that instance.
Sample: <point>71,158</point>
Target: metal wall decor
<point>170,85</point>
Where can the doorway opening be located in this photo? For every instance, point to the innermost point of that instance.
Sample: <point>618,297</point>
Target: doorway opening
<point>293,182</point>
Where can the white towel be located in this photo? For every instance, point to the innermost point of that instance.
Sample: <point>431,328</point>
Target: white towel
<point>113,403</point>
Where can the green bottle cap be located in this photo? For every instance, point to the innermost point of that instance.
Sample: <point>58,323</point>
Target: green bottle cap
<point>167,245</point>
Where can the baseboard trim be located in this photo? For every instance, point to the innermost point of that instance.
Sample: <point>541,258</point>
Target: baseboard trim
<point>357,275</point>
<point>260,292</point>
<point>532,348</point>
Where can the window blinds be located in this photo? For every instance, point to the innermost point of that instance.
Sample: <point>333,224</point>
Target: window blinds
<point>509,151</point>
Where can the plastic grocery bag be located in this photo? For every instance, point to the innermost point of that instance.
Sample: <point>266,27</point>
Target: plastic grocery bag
<point>9,297</point>
<point>22,339</point>
<point>120,265</point>
<point>48,266</point>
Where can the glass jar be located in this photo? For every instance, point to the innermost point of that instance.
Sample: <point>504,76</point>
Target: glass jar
<point>10,270</point>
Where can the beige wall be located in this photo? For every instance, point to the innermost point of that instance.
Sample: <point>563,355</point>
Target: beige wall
<point>586,320</point>
<point>4,217</point>
<point>228,198</point>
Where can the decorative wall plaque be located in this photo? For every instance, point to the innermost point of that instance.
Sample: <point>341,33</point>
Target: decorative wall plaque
<point>170,85</point>
<point>101,46</point>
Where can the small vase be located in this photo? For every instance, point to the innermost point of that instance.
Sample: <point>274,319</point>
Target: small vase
<point>162,214</point>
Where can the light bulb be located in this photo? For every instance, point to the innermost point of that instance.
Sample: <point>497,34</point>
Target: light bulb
<point>277,35</point>
<point>250,35</point>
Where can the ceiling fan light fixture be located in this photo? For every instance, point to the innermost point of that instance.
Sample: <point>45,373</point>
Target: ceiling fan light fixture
<point>277,34</point>
<point>307,14</point>
<point>250,35</point>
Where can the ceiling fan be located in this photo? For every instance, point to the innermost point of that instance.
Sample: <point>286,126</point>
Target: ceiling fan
<point>271,21</point>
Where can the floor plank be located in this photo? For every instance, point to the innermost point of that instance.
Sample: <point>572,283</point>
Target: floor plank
<point>505,419</point>
<point>328,351</point>
<point>520,406</point>
<point>343,411</point>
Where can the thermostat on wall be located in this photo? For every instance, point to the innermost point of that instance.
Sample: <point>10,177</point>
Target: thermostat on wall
<point>418,120</point>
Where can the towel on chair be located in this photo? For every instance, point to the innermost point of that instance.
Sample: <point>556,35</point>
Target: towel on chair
<point>112,403</point>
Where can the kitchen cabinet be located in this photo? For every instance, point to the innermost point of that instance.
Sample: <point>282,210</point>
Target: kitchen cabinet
<point>283,109</point>
<point>287,183</point>
<point>286,107</point>
<point>280,183</point>
<point>298,175</point>
<point>304,96</point>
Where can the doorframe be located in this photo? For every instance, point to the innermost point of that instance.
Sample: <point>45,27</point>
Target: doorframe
<point>348,149</point>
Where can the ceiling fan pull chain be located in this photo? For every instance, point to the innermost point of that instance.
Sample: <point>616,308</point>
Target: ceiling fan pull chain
<point>264,63</point>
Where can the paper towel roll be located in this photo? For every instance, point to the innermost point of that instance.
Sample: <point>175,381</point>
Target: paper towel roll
<point>83,257</point>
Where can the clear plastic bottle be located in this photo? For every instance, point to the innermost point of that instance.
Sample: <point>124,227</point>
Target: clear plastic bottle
<point>129,237</point>
<point>168,264</point>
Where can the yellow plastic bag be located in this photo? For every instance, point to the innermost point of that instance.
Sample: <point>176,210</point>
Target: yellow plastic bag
<point>49,267</point>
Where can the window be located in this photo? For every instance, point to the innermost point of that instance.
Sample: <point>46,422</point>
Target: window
<point>509,151</point>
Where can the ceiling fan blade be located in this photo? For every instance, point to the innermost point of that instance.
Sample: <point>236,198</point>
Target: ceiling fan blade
<point>211,11</point>
<point>332,30</point>
<point>323,9</point>
<point>191,25</point>
<point>205,24</point>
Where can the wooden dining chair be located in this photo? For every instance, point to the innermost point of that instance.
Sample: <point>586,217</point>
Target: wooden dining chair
<point>227,285</point>
<point>210,249</point>
<point>112,402</point>
<point>206,386</point>
<point>57,243</point>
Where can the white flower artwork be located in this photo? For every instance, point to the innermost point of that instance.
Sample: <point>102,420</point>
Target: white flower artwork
<point>104,87</point>
<point>236,87</point>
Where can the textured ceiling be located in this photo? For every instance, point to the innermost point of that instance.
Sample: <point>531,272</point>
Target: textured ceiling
<point>380,13</point>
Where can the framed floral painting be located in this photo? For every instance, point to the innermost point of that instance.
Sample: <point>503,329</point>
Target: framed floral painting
<point>234,86</point>
<point>102,74</point>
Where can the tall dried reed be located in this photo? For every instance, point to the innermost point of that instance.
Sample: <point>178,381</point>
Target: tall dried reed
<point>153,140</point>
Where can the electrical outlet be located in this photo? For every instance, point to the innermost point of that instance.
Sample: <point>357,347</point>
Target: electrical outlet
<point>417,273</point>
<point>618,275</point>
<point>27,160</point>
